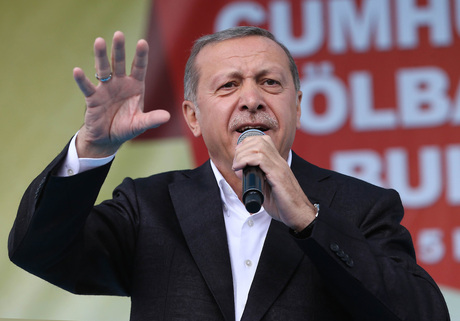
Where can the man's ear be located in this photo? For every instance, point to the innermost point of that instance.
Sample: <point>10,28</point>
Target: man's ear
<point>299,108</point>
<point>190,111</point>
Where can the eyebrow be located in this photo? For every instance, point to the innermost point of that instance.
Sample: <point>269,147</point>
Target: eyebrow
<point>258,75</point>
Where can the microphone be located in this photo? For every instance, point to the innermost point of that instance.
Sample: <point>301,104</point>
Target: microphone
<point>253,179</point>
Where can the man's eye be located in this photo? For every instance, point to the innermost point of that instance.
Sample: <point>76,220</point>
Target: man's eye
<point>271,82</point>
<point>228,85</point>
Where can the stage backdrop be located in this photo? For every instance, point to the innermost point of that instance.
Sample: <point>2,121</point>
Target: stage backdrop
<point>381,101</point>
<point>381,96</point>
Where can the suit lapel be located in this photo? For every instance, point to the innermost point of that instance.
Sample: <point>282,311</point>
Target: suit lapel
<point>271,276</point>
<point>198,207</point>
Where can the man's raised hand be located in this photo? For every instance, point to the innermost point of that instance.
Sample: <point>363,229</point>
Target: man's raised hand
<point>115,107</point>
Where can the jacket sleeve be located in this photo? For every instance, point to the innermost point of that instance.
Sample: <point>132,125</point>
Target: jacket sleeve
<point>56,226</point>
<point>367,259</point>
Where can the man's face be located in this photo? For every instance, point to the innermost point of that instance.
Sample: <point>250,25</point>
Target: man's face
<point>243,83</point>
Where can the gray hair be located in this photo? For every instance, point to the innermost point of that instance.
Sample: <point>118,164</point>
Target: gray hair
<point>191,76</point>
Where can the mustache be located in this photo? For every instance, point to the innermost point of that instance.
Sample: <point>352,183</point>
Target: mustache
<point>259,119</point>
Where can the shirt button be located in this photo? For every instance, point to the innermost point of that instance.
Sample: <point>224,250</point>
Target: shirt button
<point>248,263</point>
<point>70,172</point>
<point>251,223</point>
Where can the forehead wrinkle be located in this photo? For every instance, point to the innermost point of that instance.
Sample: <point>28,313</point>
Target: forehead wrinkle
<point>267,65</point>
<point>250,55</point>
<point>246,59</point>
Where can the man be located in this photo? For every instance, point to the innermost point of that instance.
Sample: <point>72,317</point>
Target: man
<point>181,244</point>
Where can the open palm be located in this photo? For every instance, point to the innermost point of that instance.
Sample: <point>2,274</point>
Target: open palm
<point>114,111</point>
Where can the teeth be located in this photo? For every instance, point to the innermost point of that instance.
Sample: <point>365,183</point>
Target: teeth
<point>251,127</point>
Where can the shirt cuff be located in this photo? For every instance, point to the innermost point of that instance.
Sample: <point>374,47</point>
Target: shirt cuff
<point>73,165</point>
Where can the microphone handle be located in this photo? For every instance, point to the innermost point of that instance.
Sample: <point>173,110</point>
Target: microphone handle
<point>253,180</point>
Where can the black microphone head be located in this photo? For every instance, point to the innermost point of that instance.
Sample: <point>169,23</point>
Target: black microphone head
<point>249,133</point>
<point>253,201</point>
<point>253,179</point>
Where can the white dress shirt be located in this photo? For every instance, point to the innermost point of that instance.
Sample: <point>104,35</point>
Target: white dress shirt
<point>246,232</point>
<point>246,236</point>
<point>73,164</point>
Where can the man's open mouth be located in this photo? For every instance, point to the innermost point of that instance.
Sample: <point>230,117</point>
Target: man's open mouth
<point>244,128</point>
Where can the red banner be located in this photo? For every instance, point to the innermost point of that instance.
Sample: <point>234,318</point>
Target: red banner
<point>381,96</point>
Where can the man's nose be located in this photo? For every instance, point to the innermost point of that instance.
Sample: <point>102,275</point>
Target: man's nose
<point>251,98</point>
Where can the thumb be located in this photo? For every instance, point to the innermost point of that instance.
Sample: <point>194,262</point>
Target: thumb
<point>155,118</point>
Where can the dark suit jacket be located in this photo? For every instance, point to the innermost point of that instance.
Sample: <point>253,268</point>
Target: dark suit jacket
<point>162,241</point>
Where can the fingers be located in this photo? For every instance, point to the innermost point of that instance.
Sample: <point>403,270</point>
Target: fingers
<point>144,121</point>
<point>253,151</point>
<point>102,64</point>
<point>117,66</point>
<point>139,67</point>
<point>260,151</point>
<point>86,86</point>
<point>118,54</point>
<point>155,118</point>
<point>103,68</point>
